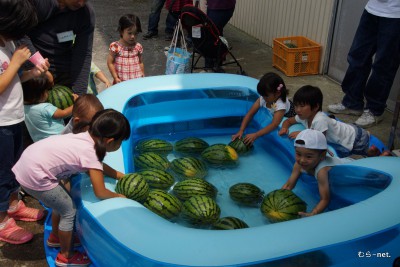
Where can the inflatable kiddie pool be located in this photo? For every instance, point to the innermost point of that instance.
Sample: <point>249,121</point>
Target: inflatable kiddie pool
<point>360,227</point>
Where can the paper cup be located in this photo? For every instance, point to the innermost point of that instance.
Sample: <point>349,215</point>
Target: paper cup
<point>37,59</point>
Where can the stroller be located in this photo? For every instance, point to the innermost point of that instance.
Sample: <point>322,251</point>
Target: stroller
<point>206,39</point>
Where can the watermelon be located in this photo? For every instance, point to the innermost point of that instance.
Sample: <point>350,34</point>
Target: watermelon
<point>60,96</point>
<point>158,178</point>
<point>190,145</point>
<point>189,167</point>
<point>133,186</point>
<point>240,146</point>
<point>246,194</point>
<point>164,204</point>
<point>282,205</point>
<point>200,210</point>
<point>154,145</point>
<point>150,160</point>
<point>229,223</point>
<point>220,154</point>
<point>194,187</point>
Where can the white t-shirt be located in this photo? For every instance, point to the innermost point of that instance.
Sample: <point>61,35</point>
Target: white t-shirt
<point>278,105</point>
<point>336,132</point>
<point>40,122</point>
<point>384,8</point>
<point>56,156</point>
<point>330,162</point>
<point>11,100</point>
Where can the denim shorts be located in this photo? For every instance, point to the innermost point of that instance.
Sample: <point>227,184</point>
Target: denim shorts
<point>360,145</point>
<point>11,147</point>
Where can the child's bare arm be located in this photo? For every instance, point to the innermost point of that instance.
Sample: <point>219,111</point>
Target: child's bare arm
<point>99,188</point>
<point>276,120</point>
<point>102,77</point>
<point>141,63</point>
<point>21,54</point>
<point>246,120</point>
<point>286,124</point>
<point>294,176</point>
<point>64,113</point>
<point>109,171</point>
<point>323,187</point>
<point>111,67</point>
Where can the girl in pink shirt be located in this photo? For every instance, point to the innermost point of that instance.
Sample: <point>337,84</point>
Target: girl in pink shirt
<point>46,162</point>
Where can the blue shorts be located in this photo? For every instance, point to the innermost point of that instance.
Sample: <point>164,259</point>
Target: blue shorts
<point>11,147</point>
<point>360,145</point>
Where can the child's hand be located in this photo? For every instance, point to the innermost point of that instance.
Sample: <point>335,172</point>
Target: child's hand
<point>293,135</point>
<point>40,70</point>
<point>117,80</point>
<point>108,84</point>
<point>21,54</point>
<point>250,138</point>
<point>237,135</point>
<point>283,131</point>
<point>120,195</point>
<point>119,175</point>
<point>75,96</point>
<point>288,186</point>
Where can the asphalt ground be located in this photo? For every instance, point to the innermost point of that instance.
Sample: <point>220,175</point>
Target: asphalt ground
<point>254,56</point>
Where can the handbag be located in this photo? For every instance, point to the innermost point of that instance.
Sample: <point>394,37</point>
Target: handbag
<point>178,58</point>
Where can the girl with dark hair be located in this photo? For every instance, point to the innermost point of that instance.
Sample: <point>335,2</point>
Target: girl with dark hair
<point>62,156</point>
<point>273,96</point>
<point>17,17</point>
<point>125,58</point>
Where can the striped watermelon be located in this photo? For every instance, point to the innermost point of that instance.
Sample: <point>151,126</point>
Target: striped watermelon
<point>61,96</point>
<point>189,167</point>
<point>158,178</point>
<point>229,223</point>
<point>219,155</point>
<point>154,145</point>
<point>150,160</point>
<point>240,146</point>
<point>282,205</point>
<point>246,194</point>
<point>133,186</point>
<point>194,187</point>
<point>164,204</point>
<point>190,145</point>
<point>200,210</point>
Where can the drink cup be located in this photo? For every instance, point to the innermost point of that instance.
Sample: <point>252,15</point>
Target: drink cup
<point>37,59</point>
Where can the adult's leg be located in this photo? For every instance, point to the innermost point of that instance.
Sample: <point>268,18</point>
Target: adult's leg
<point>360,61</point>
<point>220,17</point>
<point>154,17</point>
<point>385,65</point>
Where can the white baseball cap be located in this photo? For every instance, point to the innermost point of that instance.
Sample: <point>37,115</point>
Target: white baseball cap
<point>311,139</point>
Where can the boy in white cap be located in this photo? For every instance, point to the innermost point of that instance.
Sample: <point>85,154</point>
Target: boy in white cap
<point>311,157</point>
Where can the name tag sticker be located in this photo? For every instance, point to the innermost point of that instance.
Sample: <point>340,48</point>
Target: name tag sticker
<point>65,36</point>
<point>196,32</point>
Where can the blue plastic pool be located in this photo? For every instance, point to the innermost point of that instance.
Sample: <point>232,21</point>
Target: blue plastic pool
<point>360,227</point>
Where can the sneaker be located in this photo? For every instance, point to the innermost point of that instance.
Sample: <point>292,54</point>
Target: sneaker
<point>13,234</point>
<point>54,242</point>
<point>150,35</point>
<point>23,213</point>
<point>168,36</point>
<point>78,259</point>
<point>339,108</point>
<point>367,119</point>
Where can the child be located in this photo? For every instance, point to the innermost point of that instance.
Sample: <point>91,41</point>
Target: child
<point>63,155</point>
<point>42,119</point>
<point>273,96</point>
<point>125,58</point>
<point>17,17</point>
<point>85,107</point>
<point>346,138</point>
<point>99,74</point>
<point>311,148</point>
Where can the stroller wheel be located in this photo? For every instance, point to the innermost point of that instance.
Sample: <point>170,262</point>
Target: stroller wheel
<point>242,72</point>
